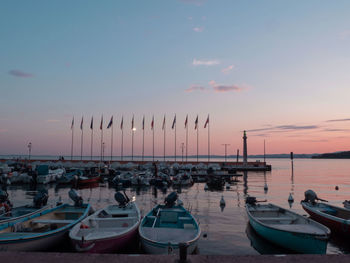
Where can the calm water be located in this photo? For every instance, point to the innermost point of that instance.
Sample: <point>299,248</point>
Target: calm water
<point>226,231</point>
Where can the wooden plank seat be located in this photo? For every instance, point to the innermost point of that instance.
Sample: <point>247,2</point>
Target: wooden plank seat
<point>284,218</point>
<point>52,221</point>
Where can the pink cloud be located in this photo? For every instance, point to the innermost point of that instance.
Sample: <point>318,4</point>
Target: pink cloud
<point>198,62</point>
<point>224,88</point>
<point>20,74</point>
<point>198,29</point>
<point>227,69</point>
<point>195,88</point>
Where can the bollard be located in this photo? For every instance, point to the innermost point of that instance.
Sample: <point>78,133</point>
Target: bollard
<point>183,252</point>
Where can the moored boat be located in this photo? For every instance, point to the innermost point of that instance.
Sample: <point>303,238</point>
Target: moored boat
<point>287,229</point>
<point>165,227</point>
<point>336,218</point>
<point>109,229</point>
<point>43,230</point>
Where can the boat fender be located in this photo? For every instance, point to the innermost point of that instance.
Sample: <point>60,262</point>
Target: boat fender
<point>83,226</point>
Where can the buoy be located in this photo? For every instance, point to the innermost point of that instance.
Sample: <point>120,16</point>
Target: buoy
<point>222,201</point>
<point>227,185</point>
<point>206,187</point>
<point>337,188</point>
<point>266,187</point>
<point>290,198</point>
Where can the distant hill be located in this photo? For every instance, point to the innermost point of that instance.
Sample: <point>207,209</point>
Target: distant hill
<point>336,155</point>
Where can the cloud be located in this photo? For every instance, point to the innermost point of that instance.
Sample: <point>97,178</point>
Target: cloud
<point>198,29</point>
<point>190,18</point>
<point>198,62</point>
<point>195,88</point>
<point>227,69</point>
<point>284,128</point>
<point>53,120</point>
<point>224,88</point>
<point>338,120</point>
<point>194,2</point>
<point>296,127</point>
<point>21,74</point>
<point>3,130</point>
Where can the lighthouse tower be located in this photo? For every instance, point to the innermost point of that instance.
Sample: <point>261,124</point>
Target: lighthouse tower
<point>245,152</point>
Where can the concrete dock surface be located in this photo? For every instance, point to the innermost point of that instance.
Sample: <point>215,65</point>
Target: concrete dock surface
<point>45,257</point>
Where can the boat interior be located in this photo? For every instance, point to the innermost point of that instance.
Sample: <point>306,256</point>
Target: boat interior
<point>45,222</point>
<point>334,211</point>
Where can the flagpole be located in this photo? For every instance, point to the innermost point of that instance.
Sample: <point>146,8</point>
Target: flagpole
<point>92,132</point>
<point>101,127</point>
<point>175,139</point>
<point>208,140</point>
<point>71,149</point>
<point>132,138</point>
<point>81,145</point>
<point>186,138</point>
<point>164,139</point>
<point>143,137</point>
<point>153,137</point>
<point>112,143</point>
<point>197,141</point>
<point>122,143</point>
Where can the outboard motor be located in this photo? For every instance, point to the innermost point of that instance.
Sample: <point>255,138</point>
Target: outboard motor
<point>40,199</point>
<point>311,197</point>
<point>3,196</point>
<point>122,199</point>
<point>78,200</point>
<point>170,199</point>
<point>251,200</point>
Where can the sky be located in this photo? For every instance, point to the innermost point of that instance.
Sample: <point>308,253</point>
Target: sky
<point>277,69</point>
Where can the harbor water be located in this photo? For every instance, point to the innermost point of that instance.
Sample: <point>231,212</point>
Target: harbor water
<point>225,230</point>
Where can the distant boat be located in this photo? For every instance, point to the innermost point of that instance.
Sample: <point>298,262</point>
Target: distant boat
<point>82,180</point>
<point>166,226</point>
<point>288,229</point>
<point>336,218</point>
<point>43,230</point>
<point>109,229</point>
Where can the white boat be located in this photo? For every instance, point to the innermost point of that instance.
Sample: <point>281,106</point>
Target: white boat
<point>288,229</point>
<point>109,229</point>
<point>165,227</point>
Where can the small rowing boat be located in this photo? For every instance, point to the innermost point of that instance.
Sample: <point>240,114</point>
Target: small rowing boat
<point>287,229</point>
<point>109,229</point>
<point>165,227</point>
<point>43,230</point>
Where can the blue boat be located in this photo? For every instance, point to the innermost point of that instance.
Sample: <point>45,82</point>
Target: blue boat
<point>44,230</point>
<point>287,229</point>
<point>165,227</point>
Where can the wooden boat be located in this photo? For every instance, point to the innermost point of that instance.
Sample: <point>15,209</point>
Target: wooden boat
<point>288,229</point>
<point>336,218</point>
<point>165,227</point>
<point>82,180</point>
<point>107,230</point>
<point>43,230</point>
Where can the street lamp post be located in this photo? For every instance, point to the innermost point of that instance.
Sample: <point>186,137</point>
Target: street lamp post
<point>182,151</point>
<point>225,144</point>
<point>103,151</point>
<point>29,150</point>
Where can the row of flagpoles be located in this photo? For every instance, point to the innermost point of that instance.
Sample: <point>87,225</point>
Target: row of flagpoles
<point>110,125</point>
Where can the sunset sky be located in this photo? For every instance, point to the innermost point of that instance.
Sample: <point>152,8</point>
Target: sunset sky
<point>278,69</point>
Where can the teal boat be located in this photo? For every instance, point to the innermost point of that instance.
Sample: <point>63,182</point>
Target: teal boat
<point>43,230</point>
<point>287,229</point>
<point>165,227</point>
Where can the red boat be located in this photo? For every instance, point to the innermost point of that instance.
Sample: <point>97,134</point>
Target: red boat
<point>82,180</point>
<point>336,218</point>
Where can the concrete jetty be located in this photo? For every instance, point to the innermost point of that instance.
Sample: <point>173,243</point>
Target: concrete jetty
<point>44,257</point>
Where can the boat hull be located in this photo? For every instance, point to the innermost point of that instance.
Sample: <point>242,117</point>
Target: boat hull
<point>163,249</point>
<point>298,242</point>
<point>338,226</point>
<point>107,245</point>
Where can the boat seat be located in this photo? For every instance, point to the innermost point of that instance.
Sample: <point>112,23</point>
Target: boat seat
<point>168,217</point>
<point>112,218</point>
<point>53,221</point>
<point>284,218</point>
